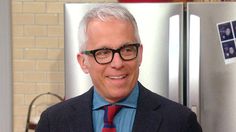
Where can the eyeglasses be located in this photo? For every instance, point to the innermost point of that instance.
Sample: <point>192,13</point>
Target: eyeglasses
<point>106,55</point>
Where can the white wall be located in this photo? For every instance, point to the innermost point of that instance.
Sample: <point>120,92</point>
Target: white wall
<point>5,67</point>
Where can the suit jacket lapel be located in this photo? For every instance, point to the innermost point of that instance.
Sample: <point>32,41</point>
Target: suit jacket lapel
<point>81,115</point>
<point>147,118</point>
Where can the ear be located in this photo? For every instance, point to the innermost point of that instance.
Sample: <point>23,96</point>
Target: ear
<point>140,56</point>
<point>82,61</point>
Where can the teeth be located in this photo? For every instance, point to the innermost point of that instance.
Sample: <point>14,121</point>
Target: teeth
<point>117,77</point>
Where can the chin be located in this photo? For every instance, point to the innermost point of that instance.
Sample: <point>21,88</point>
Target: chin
<point>120,95</point>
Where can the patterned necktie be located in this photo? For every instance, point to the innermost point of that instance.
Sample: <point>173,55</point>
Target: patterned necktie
<point>109,113</point>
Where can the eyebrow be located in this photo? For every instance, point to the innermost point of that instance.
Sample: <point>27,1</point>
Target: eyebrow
<point>126,43</point>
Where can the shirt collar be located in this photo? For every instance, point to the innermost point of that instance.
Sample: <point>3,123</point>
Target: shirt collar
<point>130,101</point>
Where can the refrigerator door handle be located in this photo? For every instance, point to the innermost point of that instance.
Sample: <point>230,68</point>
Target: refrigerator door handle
<point>174,53</point>
<point>194,64</point>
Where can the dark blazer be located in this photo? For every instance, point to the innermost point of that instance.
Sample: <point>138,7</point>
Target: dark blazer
<point>154,114</point>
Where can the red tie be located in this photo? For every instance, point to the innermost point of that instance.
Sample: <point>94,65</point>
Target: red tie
<point>109,113</point>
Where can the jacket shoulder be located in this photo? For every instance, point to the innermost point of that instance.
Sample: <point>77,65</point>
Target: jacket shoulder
<point>174,114</point>
<point>71,103</point>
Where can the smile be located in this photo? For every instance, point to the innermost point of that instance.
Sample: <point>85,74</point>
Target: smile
<point>117,77</point>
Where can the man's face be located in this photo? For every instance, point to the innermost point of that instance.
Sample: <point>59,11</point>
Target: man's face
<point>116,80</point>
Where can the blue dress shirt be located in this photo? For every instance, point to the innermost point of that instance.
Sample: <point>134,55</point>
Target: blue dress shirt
<point>124,119</point>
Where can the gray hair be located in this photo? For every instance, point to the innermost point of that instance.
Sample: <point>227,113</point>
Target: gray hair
<point>102,12</point>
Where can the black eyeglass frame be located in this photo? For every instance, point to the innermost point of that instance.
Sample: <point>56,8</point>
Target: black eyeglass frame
<point>93,52</point>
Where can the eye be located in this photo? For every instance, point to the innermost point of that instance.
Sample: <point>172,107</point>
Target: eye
<point>103,53</point>
<point>128,49</point>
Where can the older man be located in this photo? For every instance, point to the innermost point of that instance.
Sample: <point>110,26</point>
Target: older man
<point>111,53</point>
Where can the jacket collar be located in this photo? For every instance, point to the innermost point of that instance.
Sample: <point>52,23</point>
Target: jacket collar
<point>147,118</point>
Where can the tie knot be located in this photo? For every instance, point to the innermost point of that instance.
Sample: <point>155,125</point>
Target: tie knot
<point>110,112</point>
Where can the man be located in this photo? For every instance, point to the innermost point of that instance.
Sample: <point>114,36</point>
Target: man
<point>111,54</point>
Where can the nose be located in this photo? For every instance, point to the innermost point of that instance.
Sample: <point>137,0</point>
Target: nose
<point>117,61</point>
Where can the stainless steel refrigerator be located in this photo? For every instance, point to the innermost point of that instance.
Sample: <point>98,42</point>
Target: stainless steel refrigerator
<point>211,64</point>
<point>189,56</point>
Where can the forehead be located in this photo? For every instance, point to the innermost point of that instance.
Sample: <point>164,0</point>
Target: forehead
<point>112,30</point>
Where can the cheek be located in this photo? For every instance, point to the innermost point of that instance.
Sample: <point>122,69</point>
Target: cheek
<point>95,70</point>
